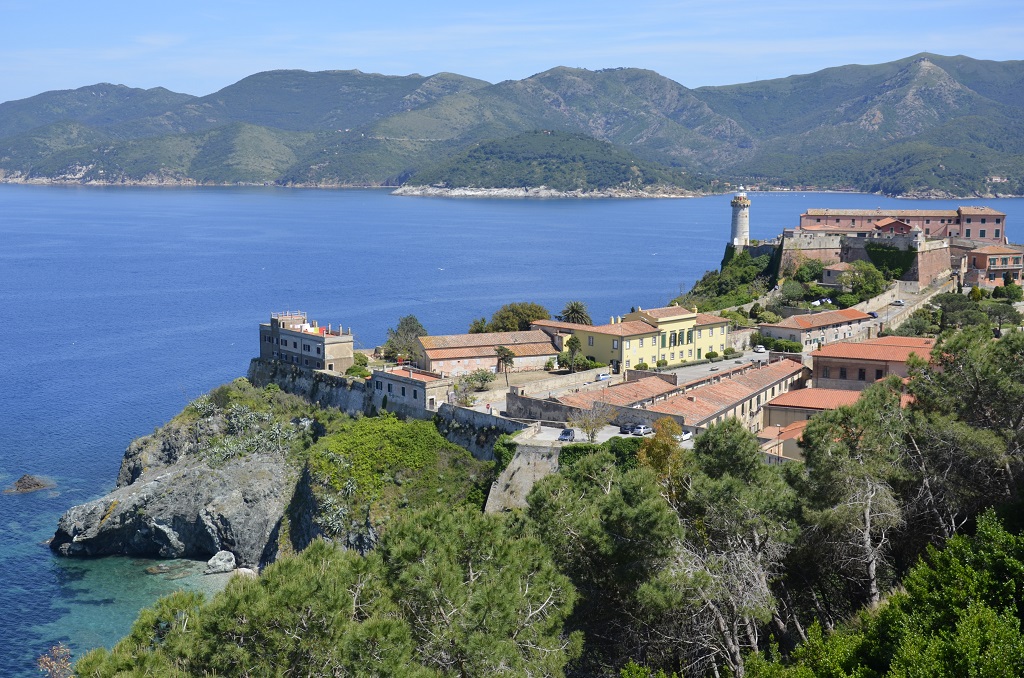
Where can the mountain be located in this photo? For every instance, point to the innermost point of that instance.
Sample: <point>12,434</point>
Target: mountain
<point>926,123</point>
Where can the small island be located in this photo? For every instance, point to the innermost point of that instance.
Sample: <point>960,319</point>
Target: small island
<point>29,483</point>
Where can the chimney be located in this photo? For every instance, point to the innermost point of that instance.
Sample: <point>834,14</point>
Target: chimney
<point>692,398</point>
<point>612,321</point>
<point>618,318</point>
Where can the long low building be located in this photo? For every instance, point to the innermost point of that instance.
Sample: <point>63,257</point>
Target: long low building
<point>456,354</point>
<point>855,366</point>
<point>812,330</point>
<point>741,396</point>
<point>637,393</point>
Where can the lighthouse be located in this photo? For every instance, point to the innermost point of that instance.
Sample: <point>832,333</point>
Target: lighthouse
<point>740,219</point>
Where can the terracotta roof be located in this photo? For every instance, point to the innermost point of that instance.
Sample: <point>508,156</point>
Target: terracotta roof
<point>484,339</point>
<point>625,394</point>
<point>666,312</point>
<point>407,373</point>
<point>627,328</point>
<point>519,350</point>
<point>708,319</point>
<point>705,402</point>
<point>886,221</point>
<point>854,228</point>
<point>980,210</point>
<point>841,266</point>
<point>996,249</point>
<point>816,398</point>
<point>812,321</point>
<point>887,349</point>
<point>879,212</point>
<point>777,433</point>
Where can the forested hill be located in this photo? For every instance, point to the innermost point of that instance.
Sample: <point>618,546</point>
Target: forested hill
<point>557,160</point>
<point>926,123</point>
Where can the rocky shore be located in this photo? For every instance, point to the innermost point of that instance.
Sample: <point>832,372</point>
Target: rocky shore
<point>171,503</point>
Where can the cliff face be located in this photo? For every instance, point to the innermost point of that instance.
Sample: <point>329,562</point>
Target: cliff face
<point>170,502</point>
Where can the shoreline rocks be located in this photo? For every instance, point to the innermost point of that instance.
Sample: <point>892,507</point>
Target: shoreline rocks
<point>29,483</point>
<point>541,192</point>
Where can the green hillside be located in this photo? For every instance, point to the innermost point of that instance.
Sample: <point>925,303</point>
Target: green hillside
<point>926,123</point>
<point>558,160</point>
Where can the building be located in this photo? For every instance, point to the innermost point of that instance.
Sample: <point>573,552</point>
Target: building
<point>855,366</point>
<point>290,337</point>
<point>684,334</point>
<point>802,404</point>
<point>740,220</point>
<point>456,354</point>
<point>741,396</point>
<point>987,266</point>
<point>831,272</point>
<point>622,344</point>
<point>407,390</point>
<point>638,393</point>
<point>782,443</point>
<point>813,330</point>
<point>974,223</point>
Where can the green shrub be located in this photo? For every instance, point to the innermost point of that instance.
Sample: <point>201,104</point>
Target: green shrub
<point>711,355</point>
<point>361,359</point>
<point>729,350</point>
<point>641,366</point>
<point>661,363</point>
<point>504,449</point>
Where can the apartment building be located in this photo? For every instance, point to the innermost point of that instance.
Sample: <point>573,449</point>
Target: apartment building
<point>292,338</point>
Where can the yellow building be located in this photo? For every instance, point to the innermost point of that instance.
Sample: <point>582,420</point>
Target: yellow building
<point>622,345</point>
<point>683,334</point>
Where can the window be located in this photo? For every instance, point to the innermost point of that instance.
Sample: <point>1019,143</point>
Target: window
<point>878,374</point>
<point>330,366</point>
<point>590,341</point>
<point>615,343</point>
<point>842,373</point>
<point>305,347</point>
<point>862,375</point>
<point>319,364</point>
<point>967,233</point>
<point>1006,260</point>
<point>641,342</point>
<point>318,350</point>
<point>671,356</point>
<point>689,353</point>
<point>389,388</point>
<point>403,391</point>
<point>699,332</point>
<point>998,221</point>
<point>981,233</point>
<point>927,231</point>
<point>627,347</point>
<point>927,221</point>
<point>627,363</point>
<point>1016,261</point>
<point>983,220</point>
<point>997,231</point>
<point>663,335</point>
<point>295,344</point>
<point>991,276</point>
<point>826,372</point>
<point>968,220</point>
<point>415,395</point>
<point>306,362</point>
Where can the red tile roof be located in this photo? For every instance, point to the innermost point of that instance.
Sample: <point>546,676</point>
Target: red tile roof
<point>831,212</point>
<point>484,339</point>
<point>777,433</point>
<point>629,328</point>
<point>813,321</point>
<point>996,249</point>
<point>816,398</point>
<point>408,373</point>
<point>708,319</point>
<point>980,210</point>
<point>705,402</point>
<point>666,312</point>
<point>519,350</point>
<point>886,349</point>
<point>626,394</point>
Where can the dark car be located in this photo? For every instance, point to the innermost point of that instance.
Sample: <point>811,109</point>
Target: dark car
<point>627,428</point>
<point>873,314</point>
<point>567,435</point>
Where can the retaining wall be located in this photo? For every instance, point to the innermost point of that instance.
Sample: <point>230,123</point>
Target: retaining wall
<point>543,386</point>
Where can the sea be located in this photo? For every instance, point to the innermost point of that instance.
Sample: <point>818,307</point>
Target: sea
<point>121,304</point>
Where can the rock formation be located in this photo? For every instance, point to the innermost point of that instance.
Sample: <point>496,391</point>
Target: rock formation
<point>171,503</point>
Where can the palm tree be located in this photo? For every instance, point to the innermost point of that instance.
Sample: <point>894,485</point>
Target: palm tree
<point>575,312</point>
<point>506,359</point>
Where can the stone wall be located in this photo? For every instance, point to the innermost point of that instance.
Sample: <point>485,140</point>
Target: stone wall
<point>530,464</point>
<point>326,390</point>
<point>476,431</point>
<point>543,386</point>
<point>536,409</point>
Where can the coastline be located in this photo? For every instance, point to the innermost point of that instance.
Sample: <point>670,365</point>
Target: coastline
<point>16,179</point>
<point>541,192</point>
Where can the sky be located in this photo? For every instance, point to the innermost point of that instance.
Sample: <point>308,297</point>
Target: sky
<point>201,47</point>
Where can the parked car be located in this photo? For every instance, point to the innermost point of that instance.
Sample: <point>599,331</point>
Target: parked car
<point>899,302</point>
<point>684,436</point>
<point>873,314</point>
<point>567,435</point>
<point>604,376</point>
<point>627,428</point>
<point>642,430</point>
<point>759,349</point>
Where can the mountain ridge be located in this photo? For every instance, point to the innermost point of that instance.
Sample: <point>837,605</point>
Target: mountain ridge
<point>897,127</point>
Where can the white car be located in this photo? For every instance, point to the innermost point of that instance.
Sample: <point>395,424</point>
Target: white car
<point>684,436</point>
<point>759,349</point>
<point>899,302</point>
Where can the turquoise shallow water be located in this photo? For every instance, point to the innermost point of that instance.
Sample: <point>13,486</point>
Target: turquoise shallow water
<point>121,304</point>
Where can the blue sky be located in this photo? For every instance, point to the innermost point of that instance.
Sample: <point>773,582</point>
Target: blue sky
<point>200,47</point>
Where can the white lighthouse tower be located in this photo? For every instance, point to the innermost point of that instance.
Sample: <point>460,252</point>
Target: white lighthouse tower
<point>740,219</point>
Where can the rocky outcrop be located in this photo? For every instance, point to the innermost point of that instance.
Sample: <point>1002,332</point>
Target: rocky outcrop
<point>28,483</point>
<point>171,503</point>
<point>222,561</point>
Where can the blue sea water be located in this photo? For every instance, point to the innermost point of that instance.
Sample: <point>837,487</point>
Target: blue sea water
<point>121,304</point>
